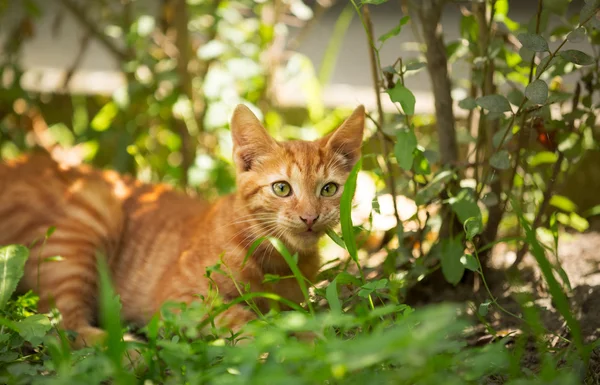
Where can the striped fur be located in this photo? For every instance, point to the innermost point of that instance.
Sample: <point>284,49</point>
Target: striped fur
<point>159,242</point>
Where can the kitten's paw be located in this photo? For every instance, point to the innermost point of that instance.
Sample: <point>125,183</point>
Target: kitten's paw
<point>88,336</point>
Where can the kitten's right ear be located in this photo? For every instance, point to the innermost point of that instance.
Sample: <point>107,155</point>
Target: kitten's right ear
<point>250,139</point>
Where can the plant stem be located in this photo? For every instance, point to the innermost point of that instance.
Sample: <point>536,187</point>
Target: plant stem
<point>382,140</point>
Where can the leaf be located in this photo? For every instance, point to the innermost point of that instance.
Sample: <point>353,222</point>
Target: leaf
<point>331,293</point>
<point>375,2</point>
<point>346,212</point>
<point>292,261</point>
<point>588,12</point>
<point>12,265</point>
<point>593,211</point>
<point>406,144</point>
<point>545,63</point>
<point>394,31</point>
<point>421,164</point>
<point>563,203</point>
<point>34,328</point>
<point>576,35</point>
<point>433,188</point>
<point>573,220</point>
<point>464,205</point>
<point>490,199</point>
<point>494,103</point>
<point>110,313</point>
<point>469,262</point>
<point>542,157</point>
<point>533,42</point>
<point>105,117</point>
<point>467,103</point>
<point>473,226</point>
<point>373,286</point>
<point>415,66</point>
<point>558,7</point>
<point>336,238</point>
<point>483,308</point>
<point>560,300</point>
<point>500,135</point>
<point>451,252</point>
<point>402,95</point>
<point>537,91</point>
<point>500,160</point>
<point>577,57</point>
<point>345,278</point>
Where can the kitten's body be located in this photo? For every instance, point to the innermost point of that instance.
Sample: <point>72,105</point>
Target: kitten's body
<point>159,242</point>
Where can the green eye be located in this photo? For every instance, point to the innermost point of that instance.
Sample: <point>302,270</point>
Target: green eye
<point>329,189</point>
<point>282,189</point>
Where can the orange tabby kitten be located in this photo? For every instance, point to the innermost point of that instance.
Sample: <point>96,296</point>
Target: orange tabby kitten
<point>159,242</point>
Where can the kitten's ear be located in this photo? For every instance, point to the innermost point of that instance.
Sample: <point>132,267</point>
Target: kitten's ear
<point>347,139</point>
<point>250,139</point>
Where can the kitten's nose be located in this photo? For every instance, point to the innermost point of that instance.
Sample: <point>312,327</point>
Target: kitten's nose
<point>309,219</point>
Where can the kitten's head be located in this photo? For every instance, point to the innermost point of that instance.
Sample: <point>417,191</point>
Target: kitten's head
<point>292,189</point>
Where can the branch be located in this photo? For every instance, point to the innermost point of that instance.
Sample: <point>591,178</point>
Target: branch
<point>382,138</point>
<point>93,29</point>
<point>83,46</point>
<point>549,189</point>
<point>437,65</point>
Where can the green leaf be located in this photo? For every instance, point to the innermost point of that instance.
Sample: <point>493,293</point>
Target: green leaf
<point>494,103</point>
<point>394,31</point>
<point>375,2</point>
<point>533,42</point>
<point>104,118</point>
<point>577,57</point>
<point>490,199</point>
<point>464,205</point>
<point>500,135</point>
<point>291,260</point>
<point>537,91</point>
<point>545,63</point>
<point>542,157</point>
<point>371,287</point>
<point>473,226</point>
<point>34,328</point>
<point>332,296</point>
<point>336,238</point>
<point>451,253</point>
<point>558,7</point>
<point>577,35</point>
<point>593,211</point>
<point>563,203</point>
<point>110,313</point>
<point>484,308</point>
<point>560,300</point>
<point>467,103</point>
<point>346,212</point>
<point>500,160</point>
<point>12,265</point>
<point>421,164</point>
<point>406,144</point>
<point>433,188</point>
<point>404,96</point>
<point>588,12</point>
<point>469,262</point>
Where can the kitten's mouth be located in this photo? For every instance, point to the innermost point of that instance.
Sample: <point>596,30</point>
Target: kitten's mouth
<point>310,232</point>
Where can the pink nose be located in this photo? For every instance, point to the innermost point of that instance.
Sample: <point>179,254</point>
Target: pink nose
<point>309,219</point>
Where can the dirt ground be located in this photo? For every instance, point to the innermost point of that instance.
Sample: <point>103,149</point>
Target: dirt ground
<point>579,256</point>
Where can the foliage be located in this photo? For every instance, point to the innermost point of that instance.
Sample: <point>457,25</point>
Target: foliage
<point>523,131</point>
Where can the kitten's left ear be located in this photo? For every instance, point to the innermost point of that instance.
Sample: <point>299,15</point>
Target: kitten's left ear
<point>347,139</point>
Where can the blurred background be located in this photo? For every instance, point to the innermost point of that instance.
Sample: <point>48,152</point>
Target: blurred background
<point>147,87</point>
